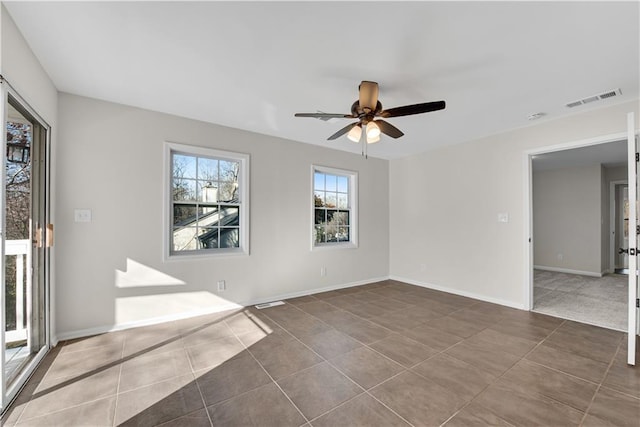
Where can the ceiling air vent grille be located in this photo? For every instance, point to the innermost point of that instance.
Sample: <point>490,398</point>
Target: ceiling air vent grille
<point>599,97</point>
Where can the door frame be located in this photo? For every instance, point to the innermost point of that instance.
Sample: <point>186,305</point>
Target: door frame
<point>612,223</point>
<point>7,394</point>
<point>528,200</point>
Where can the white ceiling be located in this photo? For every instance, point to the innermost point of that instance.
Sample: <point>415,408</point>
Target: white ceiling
<point>252,65</point>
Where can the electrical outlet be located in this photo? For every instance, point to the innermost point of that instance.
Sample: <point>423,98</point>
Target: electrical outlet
<point>222,285</point>
<point>323,271</point>
<point>560,257</point>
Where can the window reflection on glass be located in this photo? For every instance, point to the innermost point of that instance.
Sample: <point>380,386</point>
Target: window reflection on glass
<point>343,201</point>
<point>199,185</point>
<point>626,217</point>
<point>230,216</point>
<point>331,202</point>
<point>229,237</point>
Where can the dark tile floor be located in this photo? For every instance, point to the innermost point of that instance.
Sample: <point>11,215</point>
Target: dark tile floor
<point>385,354</point>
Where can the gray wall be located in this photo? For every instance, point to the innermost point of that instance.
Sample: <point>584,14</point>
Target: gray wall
<point>445,203</point>
<point>567,218</point>
<point>23,71</point>
<point>110,160</point>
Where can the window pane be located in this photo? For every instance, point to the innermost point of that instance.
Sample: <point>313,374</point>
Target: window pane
<point>229,238</point>
<point>184,214</point>
<point>208,191</point>
<point>184,166</point>
<point>343,234</point>
<point>230,216</point>
<point>228,192</point>
<point>332,184</point>
<point>343,184</point>
<point>207,169</point>
<point>203,188</point>
<point>184,239</point>
<point>184,189</point>
<point>334,193</point>
<point>208,237</point>
<point>229,171</point>
<point>343,201</point>
<point>208,216</point>
<point>318,181</point>
<point>332,225</point>
<point>330,200</point>
<point>340,218</point>
<point>331,231</point>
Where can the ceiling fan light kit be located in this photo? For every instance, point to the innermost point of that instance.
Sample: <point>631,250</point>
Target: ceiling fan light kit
<point>367,109</point>
<point>355,133</point>
<point>373,131</point>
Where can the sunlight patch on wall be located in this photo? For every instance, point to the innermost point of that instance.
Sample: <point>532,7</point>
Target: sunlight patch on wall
<point>138,275</point>
<point>176,304</point>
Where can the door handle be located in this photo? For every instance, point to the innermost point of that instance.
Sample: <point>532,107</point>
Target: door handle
<point>631,251</point>
<point>37,237</point>
<point>49,239</point>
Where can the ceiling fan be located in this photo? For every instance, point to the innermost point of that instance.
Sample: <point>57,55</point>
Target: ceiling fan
<point>368,110</point>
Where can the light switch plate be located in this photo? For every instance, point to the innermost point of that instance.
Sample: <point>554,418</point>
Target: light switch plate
<point>82,215</point>
<point>503,217</point>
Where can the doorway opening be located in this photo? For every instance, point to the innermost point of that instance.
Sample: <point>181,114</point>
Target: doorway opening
<point>574,231</point>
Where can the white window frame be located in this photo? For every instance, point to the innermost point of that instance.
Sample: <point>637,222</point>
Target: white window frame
<point>352,243</point>
<point>243,192</point>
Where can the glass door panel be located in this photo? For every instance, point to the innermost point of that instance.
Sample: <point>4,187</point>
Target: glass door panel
<point>23,264</point>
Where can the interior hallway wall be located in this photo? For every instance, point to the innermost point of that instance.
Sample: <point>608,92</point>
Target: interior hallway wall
<point>567,232</point>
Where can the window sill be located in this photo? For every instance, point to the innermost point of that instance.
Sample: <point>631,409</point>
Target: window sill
<point>334,246</point>
<point>188,256</point>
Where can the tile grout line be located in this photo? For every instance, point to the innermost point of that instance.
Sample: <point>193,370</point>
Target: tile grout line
<point>373,349</point>
<point>115,405</point>
<point>365,391</point>
<point>58,410</point>
<point>195,380</point>
<point>269,375</point>
<point>593,398</point>
<point>495,380</point>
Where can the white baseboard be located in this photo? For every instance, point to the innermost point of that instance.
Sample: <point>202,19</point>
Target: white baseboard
<point>231,306</point>
<point>459,292</point>
<point>314,291</point>
<point>145,322</point>
<point>568,271</point>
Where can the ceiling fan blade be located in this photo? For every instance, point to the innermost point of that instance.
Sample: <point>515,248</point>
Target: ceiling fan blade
<point>342,131</point>
<point>325,116</point>
<point>368,95</point>
<point>389,129</point>
<point>408,110</point>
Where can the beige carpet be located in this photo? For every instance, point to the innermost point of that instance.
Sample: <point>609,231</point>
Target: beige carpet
<point>600,301</point>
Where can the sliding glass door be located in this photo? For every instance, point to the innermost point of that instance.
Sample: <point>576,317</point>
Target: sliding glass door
<point>25,242</point>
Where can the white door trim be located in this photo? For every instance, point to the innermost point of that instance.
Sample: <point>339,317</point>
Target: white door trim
<point>632,327</point>
<point>528,200</point>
